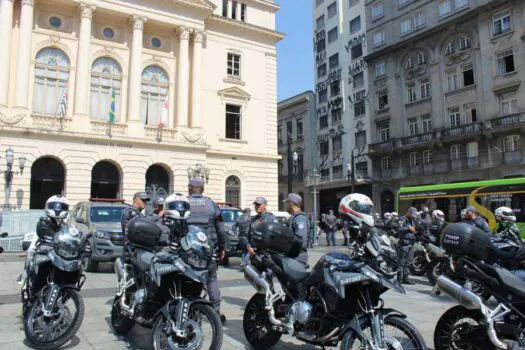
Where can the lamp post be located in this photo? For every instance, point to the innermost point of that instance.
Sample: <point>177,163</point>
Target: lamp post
<point>350,174</point>
<point>313,180</point>
<point>8,173</point>
<point>198,171</point>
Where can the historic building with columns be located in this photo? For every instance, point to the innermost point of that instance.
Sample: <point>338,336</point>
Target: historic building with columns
<point>105,98</point>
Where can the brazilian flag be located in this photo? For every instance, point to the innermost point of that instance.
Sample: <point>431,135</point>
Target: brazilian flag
<point>112,118</point>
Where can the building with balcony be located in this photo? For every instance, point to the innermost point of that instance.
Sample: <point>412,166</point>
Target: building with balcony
<point>295,118</point>
<point>446,101</point>
<point>342,90</point>
<point>106,98</point>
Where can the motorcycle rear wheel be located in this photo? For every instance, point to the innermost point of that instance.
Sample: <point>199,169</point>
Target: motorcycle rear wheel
<point>256,325</point>
<point>415,339</point>
<point>447,334</point>
<point>419,264</point>
<point>34,311</point>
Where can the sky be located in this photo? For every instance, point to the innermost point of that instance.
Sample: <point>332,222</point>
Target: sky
<point>295,51</point>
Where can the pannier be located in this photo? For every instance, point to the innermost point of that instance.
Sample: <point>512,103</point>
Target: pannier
<point>273,237</point>
<point>464,239</point>
<point>143,232</point>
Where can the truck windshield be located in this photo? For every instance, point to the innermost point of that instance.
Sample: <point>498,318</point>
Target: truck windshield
<point>106,214</point>
<point>231,215</point>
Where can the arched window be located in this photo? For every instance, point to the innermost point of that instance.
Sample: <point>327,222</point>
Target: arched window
<point>461,42</point>
<point>421,58</point>
<point>408,64</point>
<point>106,82</point>
<point>154,90</point>
<point>233,191</point>
<point>464,43</point>
<point>51,80</point>
<point>511,143</point>
<point>451,48</point>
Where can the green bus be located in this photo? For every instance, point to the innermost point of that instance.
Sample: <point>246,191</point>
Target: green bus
<point>451,198</point>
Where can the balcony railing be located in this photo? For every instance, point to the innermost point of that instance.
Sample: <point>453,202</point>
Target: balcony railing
<point>103,127</point>
<point>337,176</point>
<point>473,162</point>
<point>462,130</point>
<point>413,140</point>
<point>512,157</point>
<point>511,120</point>
<point>415,170</point>
<point>379,147</point>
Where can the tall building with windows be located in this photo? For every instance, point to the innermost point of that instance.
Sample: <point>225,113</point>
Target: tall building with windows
<point>342,90</point>
<point>446,96</point>
<point>295,134</point>
<point>106,98</point>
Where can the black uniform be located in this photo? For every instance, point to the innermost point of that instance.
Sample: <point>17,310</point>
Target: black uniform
<point>300,225</point>
<point>243,224</point>
<point>265,217</point>
<point>206,215</point>
<point>406,247</point>
<point>480,223</point>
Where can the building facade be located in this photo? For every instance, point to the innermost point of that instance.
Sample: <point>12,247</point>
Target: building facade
<point>295,118</point>
<point>446,96</point>
<point>106,98</point>
<point>342,90</point>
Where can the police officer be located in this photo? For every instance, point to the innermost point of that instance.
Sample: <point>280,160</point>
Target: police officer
<point>206,214</point>
<point>406,231</point>
<point>138,208</point>
<point>158,206</point>
<point>262,215</point>
<point>299,223</point>
<point>472,218</point>
<point>437,225</point>
<point>425,220</point>
<point>243,223</point>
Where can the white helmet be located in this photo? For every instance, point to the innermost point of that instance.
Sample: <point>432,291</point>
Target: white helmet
<point>463,214</point>
<point>505,214</point>
<point>387,216</point>
<point>358,207</point>
<point>177,206</point>
<point>57,207</point>
<point>395,215</point>
<point>438,215</point>
<point>377,216</point>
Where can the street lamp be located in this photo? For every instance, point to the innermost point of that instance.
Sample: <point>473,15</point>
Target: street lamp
<point>313,181</point>
<point>350,174</point>
<point>8,173</point>
<point>198,171</point>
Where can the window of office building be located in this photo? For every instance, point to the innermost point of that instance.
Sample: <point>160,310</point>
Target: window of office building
<point>355,25</point>
<point>332,10</point>
<point>382,97</point>
<point>412,126</point>
<point>505,62</point>
<point>502,22</point>
<point>384,130</point>
<point>332,35</point>
<point>233,122</point>
<point>468,75</point>
<point>454,117</point>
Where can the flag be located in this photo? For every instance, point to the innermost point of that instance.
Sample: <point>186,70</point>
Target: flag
<point>112,117</point>
<point>164,115</point>
<point>62,105</point>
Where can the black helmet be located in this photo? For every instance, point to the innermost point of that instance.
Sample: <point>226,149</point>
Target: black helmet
<point>144,196</point>
<point>159,201</point>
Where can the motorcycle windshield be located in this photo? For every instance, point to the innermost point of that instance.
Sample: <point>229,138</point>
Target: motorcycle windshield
<point>63,264</point>
<point>390,283</point>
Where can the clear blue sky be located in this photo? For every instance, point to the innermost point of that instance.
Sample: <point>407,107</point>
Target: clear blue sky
<point>295,51</point>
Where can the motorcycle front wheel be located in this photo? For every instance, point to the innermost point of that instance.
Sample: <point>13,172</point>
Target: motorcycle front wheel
<point>419,264</point>
<point>256,325</point>
<point>55,330</point>
<point>199,336</point>
<point>399,334</point>
<point>460,328</point>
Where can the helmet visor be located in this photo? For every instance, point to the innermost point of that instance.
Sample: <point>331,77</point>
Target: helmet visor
<point>57,207</point>
<point>362,208</point>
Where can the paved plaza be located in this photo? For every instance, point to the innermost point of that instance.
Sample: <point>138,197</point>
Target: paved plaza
<point>422,309</point>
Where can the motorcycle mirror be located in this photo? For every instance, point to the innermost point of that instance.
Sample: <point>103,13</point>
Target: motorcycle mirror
<point>4,234</point>
<point>80,220</point>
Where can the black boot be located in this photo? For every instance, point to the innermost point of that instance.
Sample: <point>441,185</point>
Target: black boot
<point>222,317</point>
<point>407,281</point>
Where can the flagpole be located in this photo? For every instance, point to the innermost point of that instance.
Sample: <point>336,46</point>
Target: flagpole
<point>58,107</point>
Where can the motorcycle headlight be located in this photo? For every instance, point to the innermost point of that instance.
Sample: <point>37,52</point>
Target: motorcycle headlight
<point>66,251</point>
<point>103,235</point>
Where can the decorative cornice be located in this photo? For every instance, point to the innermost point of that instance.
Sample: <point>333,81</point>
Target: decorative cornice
<point>184,33</point>
<point>28,3</point>
<point>138,21</point>
<point>275,35</point>
<point>86,10</point>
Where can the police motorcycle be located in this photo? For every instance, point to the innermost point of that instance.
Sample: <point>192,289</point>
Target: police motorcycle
<point>339,301</point>
<point>473,324</point>
<point>161,283</point>
<point>53,309</point>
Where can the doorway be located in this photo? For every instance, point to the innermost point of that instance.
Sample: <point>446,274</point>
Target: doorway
<point>105,180</point>
<point>47,179</point>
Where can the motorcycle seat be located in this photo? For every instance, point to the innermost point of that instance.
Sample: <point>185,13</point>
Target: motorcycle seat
<point>143,261</point>
<point>293,269</point>
<point>506,255</point>
<point>510,281</point>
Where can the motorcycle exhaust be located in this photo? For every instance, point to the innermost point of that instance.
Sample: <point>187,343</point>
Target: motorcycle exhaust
<point>256,280</point>
<point>463,296</point>
<point>119,269</point>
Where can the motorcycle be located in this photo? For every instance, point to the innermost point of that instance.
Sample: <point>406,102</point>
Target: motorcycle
<point>422,260</point>
<point>161,288</point>
<point>338,301</point>
<point>53,309</point>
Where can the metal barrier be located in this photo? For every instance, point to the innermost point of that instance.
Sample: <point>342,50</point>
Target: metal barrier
<point>11,244</point>
<point>18,223</point>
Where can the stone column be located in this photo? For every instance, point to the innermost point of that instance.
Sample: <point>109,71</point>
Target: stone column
<point>238,11</point>
<point>83,59</point>
<point>183,77</point>
<point>24,54</point>
<point>135,71</point>
<point>196,77</point>
<point>229,9</point>
<point>6,23</point>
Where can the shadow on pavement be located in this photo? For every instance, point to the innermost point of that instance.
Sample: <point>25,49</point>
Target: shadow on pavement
<point>69,345</point>
<point>235,301</point>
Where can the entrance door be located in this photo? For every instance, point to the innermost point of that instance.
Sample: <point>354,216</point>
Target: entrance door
<point>47,179</point>
<point>157,181</point>
<point>387,202</point>
<point>105,180</point>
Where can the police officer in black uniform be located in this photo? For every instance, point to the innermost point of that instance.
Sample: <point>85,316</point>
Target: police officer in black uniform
<point>262,216</point>
<point>425,220</point>
<point>472,218</point>
<point>138,208</point>
<point>206,214</point>
<point>406,231</point>
<point>299,223</point>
